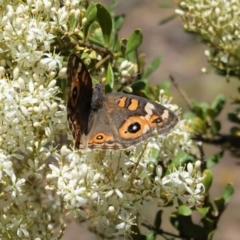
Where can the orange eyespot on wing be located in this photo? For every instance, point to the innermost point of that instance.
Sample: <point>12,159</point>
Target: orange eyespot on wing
<point>156,121</point>
<point>133,127</point>
<point>101,138</point>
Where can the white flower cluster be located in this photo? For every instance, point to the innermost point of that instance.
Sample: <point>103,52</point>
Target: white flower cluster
<point>218,24</point>
<point>111,187</point>
<point>32,117</point>
<point>29,112</point>
<point>126,69</point>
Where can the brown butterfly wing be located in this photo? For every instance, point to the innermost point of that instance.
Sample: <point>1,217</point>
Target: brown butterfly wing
<point>125,120</point>
<point>79,97</point>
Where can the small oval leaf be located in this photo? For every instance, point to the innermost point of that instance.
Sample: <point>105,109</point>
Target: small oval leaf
<point>228,192</point>
<point>90,15</point>
<point>105,21</point>
<point>184,210</point>
<point>218,104</point>
<point>152,67</point>
<point>118,22</point>
<point>214,159</point>
<point>109,79</point>
<point>134,41</point>
<point>203,211</point>
<point>151,236</point>
<point>181,159</point>
<point>208,178</point>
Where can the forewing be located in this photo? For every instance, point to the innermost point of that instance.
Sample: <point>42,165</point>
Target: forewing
<point>79,96</point>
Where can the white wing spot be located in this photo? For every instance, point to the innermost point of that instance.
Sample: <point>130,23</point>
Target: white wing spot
<point>165,114</point>
<point>148,108</point>
<point>146,128</point>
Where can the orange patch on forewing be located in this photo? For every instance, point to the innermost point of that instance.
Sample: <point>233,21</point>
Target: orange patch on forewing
<point>100,138</point>
<point>139,121</point>
<point>122,102</point>
<point>134,105</point>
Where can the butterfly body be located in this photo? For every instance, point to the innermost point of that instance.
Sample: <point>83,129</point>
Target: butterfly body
<point>110,121</point>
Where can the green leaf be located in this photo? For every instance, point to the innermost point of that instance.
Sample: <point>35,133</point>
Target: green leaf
<point>139,85</point>
<point>113,5</point>
<point>105,21</point>
<point>210,235</point>
<point>184,210</point>
<point>208,224</point>
<point>165,86</point>
<point>189,115</point>
<point>208,178</point>
<point>132,56</point>
<point>220,204</point>
<point>174,220</point>
<point>181,159</point>
<point>216,126</point>
<point>153,66</point>
<point>119,20</point>
<point>187,228</point>
<point>199,125</point>
<point>90,15</point>
<point>228,192</point>
<point>214,159</point>
<point>123,44</point>
<point>109,79</point>
<point>235,132</point>
<point>151,236</point>
<point>158,219</point>
<point>71,21</point>
<point>134,41</point>
<point>233,117</point>
<point>97,37</point>
<point>197,109</point>
<point>218,104</point>
<point>211,113</point>
<point>203,211</point>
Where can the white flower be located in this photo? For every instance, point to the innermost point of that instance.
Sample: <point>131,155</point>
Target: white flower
<point>16,187</point>
<point>22,231</point>
<point>127,220</point>
<point>51,62</point>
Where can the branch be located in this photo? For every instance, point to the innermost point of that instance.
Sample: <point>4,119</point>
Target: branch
<point>202,155</point>
<point>228,141</point>
<point>181,92</point>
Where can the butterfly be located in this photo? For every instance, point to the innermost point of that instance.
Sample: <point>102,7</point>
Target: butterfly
<point>113,120</point>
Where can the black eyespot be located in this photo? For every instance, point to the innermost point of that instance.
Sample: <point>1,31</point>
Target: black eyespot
<point>99,137</point>
<point>134,127</point>
<point>157,120</point>
<point>75,93</point>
